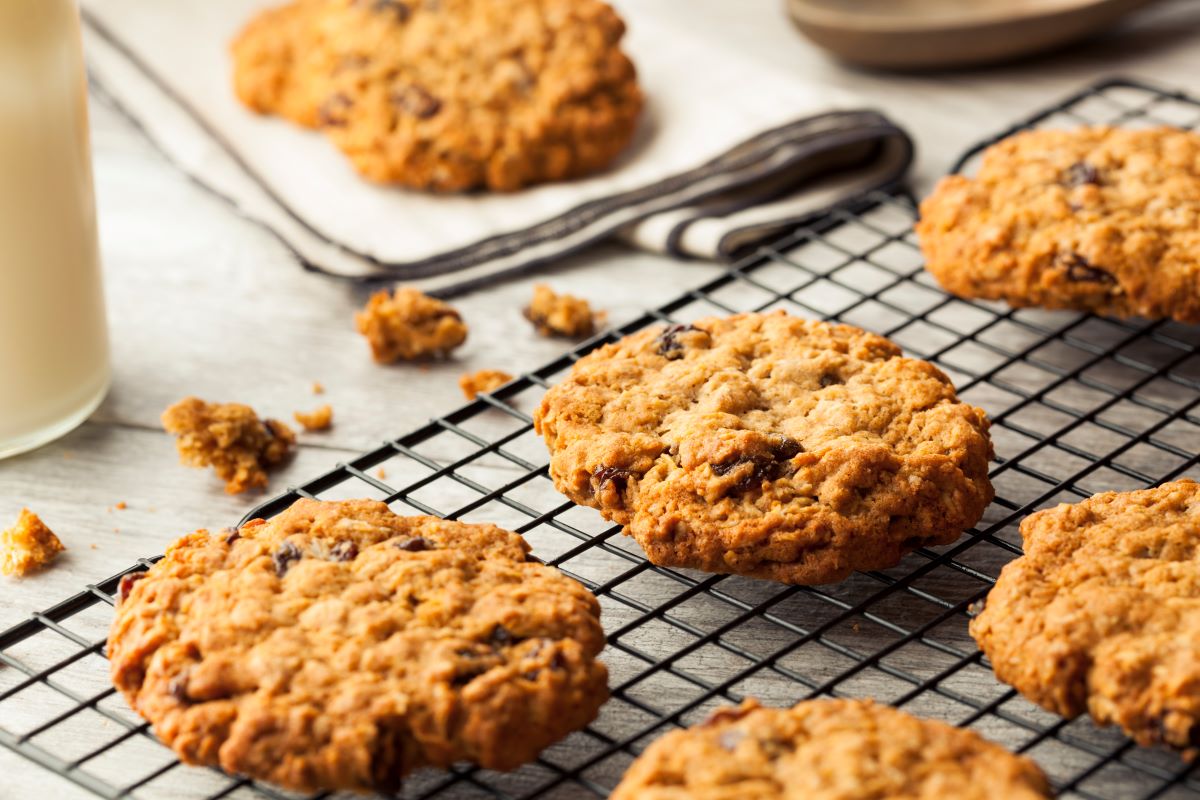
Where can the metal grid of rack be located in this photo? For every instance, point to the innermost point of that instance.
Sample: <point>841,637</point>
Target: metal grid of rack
<point>1078,405</point>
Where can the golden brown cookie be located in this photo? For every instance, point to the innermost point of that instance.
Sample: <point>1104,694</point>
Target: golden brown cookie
<point>767,445</point>
<point>230,438</point>
<point>827,750</point>
<point>1102,613</point>
<point>408,325</point>
<point>448,95</point>
<point>1095,219</point>
<point>340,646</point>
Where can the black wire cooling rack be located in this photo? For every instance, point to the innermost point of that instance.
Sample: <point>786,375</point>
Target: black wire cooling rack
<point>1078,405</point>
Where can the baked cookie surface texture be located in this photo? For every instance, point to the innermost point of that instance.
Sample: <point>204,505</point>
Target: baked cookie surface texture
<point>1102,613</point>
<point>827,750</point>
<point>767,445</point>
<point>1094,219</point>
<point>340,646</point>
<point>448,95</point>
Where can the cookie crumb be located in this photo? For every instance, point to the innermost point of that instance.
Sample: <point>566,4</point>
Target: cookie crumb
<point>483,381</point>
<point>318,388</point>
<point>28,545</point>
<point>408,325</point>
<point>381,473</point>
<point>319,419</point>
<point>560,314</point>
<point>230,438</point>
<point>121,506</point>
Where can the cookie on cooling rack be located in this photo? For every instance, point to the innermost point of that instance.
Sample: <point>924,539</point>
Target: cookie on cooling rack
<point>827,749</point>
<point>1102,613</point>
<point>770,446</point>
<point>340,646</point>
<point>1094,219</point>
<point>448,95</point>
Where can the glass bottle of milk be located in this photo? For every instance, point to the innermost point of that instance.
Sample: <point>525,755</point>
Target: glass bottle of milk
<point>54,367</point>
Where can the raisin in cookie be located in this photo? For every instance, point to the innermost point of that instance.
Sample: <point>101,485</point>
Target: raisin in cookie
<point>448,95</point>
<point>340,646</point>
<point>827,750</point>
<point>767,445</point>
<point>1095,219</point>
<point>1102,613</point>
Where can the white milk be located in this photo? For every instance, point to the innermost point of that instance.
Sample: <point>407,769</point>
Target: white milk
<point>53,343</point>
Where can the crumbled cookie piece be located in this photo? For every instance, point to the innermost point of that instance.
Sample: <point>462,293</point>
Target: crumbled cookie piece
<point>1101,614</point>
<point>1095,219</point>
<point>319,419</point>
<point>408,325</point>
<point>827,750</point>
<point>230,438</point>
<point>483,381</point>
<point>27,546</point>
<point>340,646</point>
<point>560,314</point>
<point>448,96</point>
<point>318,387</point>
<point>768,445</point>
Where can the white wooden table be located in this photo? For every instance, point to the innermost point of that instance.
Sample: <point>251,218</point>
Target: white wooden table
<point>202,302</point>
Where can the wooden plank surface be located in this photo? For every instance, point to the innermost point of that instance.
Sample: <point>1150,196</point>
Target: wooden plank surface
<point>204,303</point>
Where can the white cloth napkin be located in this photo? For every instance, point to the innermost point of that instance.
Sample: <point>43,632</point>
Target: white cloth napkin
<point>727,152</point>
